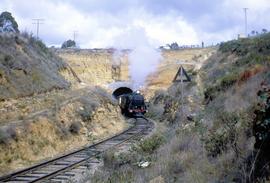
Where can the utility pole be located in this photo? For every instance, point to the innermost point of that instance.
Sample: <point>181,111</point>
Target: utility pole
<point>245,11</point>
<point>75,33</point>
<point>182,92</point>
<point>38,21</point>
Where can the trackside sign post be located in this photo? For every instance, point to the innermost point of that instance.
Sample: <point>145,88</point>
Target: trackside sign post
<point>182,76</point>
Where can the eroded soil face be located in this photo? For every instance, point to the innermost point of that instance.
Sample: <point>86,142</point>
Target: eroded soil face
<point>97,66</point>
<point>52,127</point>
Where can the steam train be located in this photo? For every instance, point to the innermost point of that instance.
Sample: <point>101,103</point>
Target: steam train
<point>132,104</point>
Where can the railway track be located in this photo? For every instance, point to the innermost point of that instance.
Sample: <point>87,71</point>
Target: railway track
<point>63,168</point>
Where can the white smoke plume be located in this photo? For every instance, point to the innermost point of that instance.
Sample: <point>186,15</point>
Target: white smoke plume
<point>143,58</point>
<point>117,56</point>
<point>143,61</point>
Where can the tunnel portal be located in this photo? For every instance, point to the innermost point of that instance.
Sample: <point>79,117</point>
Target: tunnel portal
<point>121,90</point>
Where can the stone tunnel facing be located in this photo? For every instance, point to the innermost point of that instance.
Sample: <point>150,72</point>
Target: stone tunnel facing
<point>121,91</point>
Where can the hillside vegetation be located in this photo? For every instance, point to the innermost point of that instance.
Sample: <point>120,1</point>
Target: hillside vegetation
<point>222,134</point>
<point>27,66</point>
<point>44,110</point>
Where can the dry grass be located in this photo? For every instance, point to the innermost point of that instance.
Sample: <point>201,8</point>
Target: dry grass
<point>60,129</point>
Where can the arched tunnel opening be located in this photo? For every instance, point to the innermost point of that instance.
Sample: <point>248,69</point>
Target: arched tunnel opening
<point>121,91</point>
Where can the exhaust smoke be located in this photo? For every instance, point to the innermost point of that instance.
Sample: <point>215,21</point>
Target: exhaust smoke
<point>143,58</point>
<point>117,56</point>
<point>143,61</point>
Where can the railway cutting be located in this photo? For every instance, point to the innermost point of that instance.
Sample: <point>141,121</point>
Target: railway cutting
<point>64,168</point>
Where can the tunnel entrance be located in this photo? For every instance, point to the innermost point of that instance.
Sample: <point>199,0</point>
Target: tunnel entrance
<point>121,91</point>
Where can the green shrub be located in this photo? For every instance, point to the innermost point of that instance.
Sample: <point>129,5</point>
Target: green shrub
<point>209,93</point>
<point>230,46</point>
<point>8,134</point>
<point>241,47</point>
<point>86,114</point>
<point>261,122</point>
<point>68,44</point>
<point>109,159</point>
<point>222,85</point>
<point>227,81</point>
<point>8,61</point>
<point>124,174</point>
<point>216,143</point>
<point>155,111</point>
<point>89,106</point>
<point>225,131</point>
<point>150,144</point>
<point>41,46</point>
<point>36,77</point>
<point>75,128</point>
<point>113,160</point>
<point>251,59</point>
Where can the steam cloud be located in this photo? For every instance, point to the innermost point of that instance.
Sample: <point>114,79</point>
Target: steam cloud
<point>143,58</point>
<point>143,61</point>
<point>117,55</point>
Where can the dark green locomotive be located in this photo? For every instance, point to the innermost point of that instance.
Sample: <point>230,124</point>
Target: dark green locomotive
<point>132,104</point>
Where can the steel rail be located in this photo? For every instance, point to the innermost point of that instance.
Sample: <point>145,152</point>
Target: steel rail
<point>64,162</point>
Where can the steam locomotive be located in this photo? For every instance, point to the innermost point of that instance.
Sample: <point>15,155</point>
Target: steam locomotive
<point>132,104</point>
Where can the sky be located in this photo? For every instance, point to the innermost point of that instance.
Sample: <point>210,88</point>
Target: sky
<point>106,23</point>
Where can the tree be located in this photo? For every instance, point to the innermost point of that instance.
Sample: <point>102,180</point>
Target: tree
<point>8,23</point>
<point>264,31</point>
<point>69,44</point>
<point>174,46</point>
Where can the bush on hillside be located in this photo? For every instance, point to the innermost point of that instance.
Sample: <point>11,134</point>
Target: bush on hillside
<point>89,106</point>
<point>150,144</point>
<point>8,23</point>
<point>8,134</point>
<point>241,47</point>
<point>69,44</point>
<point>222,85</point>
<point>75,128</point>
<point>230,130</point>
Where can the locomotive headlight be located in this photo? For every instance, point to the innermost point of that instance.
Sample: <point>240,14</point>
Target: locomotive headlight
<point>119,100</point>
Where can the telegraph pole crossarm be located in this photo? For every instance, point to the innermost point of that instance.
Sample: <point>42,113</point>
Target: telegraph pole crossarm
<point>38,22</point>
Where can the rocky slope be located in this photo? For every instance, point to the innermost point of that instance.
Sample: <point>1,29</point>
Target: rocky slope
<point>28,67</point>
<point>95,66</point>
<point>44,110</point>
<point>66,124</point>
